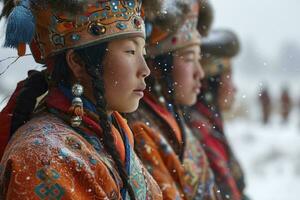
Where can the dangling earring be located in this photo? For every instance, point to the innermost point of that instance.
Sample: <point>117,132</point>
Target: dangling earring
<point>157,89</point>
<point>208,97</point>
<point>76,110</point>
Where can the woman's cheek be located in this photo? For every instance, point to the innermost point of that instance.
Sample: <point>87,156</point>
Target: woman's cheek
<point>187,77</point>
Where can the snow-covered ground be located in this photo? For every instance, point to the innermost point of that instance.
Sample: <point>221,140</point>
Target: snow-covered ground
<point>269,154</point>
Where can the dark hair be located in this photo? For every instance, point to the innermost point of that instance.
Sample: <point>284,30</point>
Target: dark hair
<point>92,57</point>
<point>209,93</point>
<point>34,86</point>
<point>165,64</point>
<point>209,97</point>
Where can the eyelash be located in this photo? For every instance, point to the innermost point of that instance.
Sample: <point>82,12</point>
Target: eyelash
<point>189,60</point>
<point>131,52</point>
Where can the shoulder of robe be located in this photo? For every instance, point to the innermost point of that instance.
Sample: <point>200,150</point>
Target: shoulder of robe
<point>142,131</point>
<point>139,115</point>
<point>47,157</point>
<point>195,115</point>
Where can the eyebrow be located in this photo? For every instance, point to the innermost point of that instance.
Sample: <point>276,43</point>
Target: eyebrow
<point>187,52</point>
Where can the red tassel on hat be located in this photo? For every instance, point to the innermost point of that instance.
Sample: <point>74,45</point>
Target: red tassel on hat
<point>21,49</point>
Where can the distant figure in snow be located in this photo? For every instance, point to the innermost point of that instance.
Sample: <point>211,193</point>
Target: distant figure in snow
<point>286,104</point>
<point>265,102</point>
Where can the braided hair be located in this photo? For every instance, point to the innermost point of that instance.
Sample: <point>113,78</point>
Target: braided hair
<point>209,93</point>
<point>165,64</point>
<point>34,86</point>
<point>93,57</point>
<point>209,96</point>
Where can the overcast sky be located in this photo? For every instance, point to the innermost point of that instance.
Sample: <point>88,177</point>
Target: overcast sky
<point>269,22</point>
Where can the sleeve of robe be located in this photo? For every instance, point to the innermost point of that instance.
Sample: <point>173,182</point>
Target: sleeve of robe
<point>43,162</point>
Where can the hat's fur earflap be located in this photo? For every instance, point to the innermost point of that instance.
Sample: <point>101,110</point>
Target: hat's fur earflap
<point>70,6</point>
<point>8,5</point>
<point>168,15</point>
<point>220,43</point>
<point>152,8</point>
<point>206,17</point>
<point>67,6</point>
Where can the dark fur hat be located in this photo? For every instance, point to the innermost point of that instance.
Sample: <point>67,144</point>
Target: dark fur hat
<point>206,17</point>
<point>168,15</point>
<point>8,5</point>
<point>220,43</point>
<point>73,6</point>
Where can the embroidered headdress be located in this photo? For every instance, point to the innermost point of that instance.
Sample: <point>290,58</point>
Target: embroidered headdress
<point>164,41</point>
<point>52,26</point>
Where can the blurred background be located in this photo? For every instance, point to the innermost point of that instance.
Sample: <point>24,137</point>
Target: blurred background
<point>269,61</point>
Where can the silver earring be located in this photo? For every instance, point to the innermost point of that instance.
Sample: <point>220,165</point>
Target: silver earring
<point>76,110</point>
<point>157,88</point>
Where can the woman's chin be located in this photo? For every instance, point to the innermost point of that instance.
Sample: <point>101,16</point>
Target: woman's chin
<point>130,108</point>
<point>187,101</point>
<point>191,102</point>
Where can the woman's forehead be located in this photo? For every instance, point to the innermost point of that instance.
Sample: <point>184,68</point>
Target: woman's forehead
<point>194,49</point>
<point>137,41</point>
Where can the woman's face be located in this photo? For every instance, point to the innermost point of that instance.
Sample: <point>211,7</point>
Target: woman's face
<point>187,74</point>
<point>124,76</point>
<point>226,92</point>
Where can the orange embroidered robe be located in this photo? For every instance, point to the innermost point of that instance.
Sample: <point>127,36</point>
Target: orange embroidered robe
<point>158,141</point>
<point>48,159</point>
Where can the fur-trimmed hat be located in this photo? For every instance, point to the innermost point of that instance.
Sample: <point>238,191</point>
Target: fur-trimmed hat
<point>161,42</point>
<point>52,26</point>
<point>206,17</point>
<point>217,49</point>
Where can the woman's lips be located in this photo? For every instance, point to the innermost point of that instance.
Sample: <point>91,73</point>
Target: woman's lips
<point>197,89</point>
<point>140,91</point>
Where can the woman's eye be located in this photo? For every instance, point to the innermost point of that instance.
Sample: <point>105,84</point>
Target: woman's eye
<point>189,59</point>
<point>131,52</point>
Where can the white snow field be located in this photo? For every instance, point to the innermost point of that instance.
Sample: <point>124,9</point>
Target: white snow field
<point>269,154</point>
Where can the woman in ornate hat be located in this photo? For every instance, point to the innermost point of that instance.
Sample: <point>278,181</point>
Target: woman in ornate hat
<point>74,144</point>
<point>164,143</point>
<point>217,96</point>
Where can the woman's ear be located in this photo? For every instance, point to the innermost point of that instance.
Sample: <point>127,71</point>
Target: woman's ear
<point>75,64</point>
